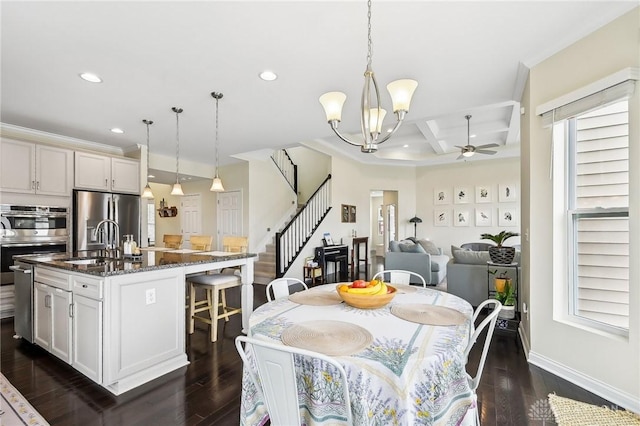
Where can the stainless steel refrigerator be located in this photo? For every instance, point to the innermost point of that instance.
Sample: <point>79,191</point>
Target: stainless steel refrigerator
<point>89,208</point>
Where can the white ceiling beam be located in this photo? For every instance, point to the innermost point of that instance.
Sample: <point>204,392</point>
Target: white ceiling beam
<point>513,135</point>
<point>430,130</point>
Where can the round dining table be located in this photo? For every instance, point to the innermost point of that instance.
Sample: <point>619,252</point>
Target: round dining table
<point>404,361</point>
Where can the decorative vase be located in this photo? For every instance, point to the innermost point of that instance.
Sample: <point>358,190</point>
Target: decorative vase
<point>502,255</point>
<point>507,312</point>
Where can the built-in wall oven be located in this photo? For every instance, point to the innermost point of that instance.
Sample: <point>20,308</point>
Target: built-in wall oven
<point>30,230</point>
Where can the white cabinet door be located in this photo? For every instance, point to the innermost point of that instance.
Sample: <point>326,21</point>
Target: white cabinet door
<point>35,169</point>
<point>53,320</point>
<point>87,337</point>
<point>92,171</point>
<point>17,173</point>
<point>125,175</point>
<point>42,315</point>
<point>54,171</point>
<point>61,324</point>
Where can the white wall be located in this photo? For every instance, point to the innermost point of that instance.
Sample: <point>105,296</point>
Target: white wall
<point>313,168</point>
<point>607,365</point>
<point>464,174</point>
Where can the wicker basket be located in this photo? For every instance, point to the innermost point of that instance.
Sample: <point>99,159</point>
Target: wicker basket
<point>502,255</point>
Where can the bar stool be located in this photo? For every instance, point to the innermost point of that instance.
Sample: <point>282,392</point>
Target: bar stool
<point>214,285</point>
<point>339,262</point>
<point>356,259</point>
<point>172,241</point>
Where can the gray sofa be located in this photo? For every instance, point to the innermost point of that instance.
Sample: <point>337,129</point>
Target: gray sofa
<point>419,256</point>
<point>467,272</point>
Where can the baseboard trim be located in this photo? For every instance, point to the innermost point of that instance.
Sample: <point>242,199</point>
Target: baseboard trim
<point>595,386</point>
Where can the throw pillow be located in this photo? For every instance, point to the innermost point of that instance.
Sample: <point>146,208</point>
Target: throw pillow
<point>470,257</point>
<point>411,248</point>
<point>394,246</point>
<point>429,247</point>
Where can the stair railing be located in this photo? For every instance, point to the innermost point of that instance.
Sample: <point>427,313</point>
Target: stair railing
<point>289,170</point>
<point>294,236</point>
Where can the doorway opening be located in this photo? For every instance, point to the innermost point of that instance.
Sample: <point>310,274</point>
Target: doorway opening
<point>384,223</point>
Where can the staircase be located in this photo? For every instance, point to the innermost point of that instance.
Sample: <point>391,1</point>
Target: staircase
<point>264,269</point>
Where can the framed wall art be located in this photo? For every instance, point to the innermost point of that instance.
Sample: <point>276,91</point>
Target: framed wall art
<point>483,194</point>
<point>462,195</point>
<point>508,216</point>
<point>441,196</point>
<point>461,217</point>
<point>344,213</point>
<point>484,216</point>
<point>352,214</point>
<point>442,217</point>
<point>508,192</point>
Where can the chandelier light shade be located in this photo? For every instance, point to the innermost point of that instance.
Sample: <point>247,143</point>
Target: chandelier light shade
<point>177,188</point>
<point>147,193</point>
<point>216,185</point>
<point>371,113</point>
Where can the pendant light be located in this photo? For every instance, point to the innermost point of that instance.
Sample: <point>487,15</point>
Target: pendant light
<point>177,188</point>
<point>147,193</point>
<point>216,185</point>
<point>371,115</point>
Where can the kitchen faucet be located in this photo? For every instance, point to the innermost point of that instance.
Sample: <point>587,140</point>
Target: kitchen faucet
<point>112,245</point>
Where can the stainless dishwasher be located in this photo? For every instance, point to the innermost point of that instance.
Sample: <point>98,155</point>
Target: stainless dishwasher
<point>23,319</point>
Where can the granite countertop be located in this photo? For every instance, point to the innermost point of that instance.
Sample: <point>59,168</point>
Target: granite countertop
<point>89,263</point>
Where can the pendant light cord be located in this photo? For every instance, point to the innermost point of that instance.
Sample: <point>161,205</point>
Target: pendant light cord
<point>177,111</point>
<point>148,123</point>
<point>217,140</point>
<point>369,42</point>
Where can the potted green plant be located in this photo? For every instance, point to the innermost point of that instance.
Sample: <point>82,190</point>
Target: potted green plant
<point>499,253</point>
<point>504,293</point>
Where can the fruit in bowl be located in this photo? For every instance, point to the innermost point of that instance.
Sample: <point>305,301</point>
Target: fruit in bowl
<point>366,295</point>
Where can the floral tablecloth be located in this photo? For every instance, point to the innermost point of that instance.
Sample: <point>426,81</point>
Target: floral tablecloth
<point>411,374</point>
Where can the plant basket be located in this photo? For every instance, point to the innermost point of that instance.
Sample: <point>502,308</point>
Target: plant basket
<point>507,312</point>
<point>502,255</point>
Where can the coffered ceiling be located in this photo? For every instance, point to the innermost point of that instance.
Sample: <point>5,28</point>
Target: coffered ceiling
<point>468,58</point>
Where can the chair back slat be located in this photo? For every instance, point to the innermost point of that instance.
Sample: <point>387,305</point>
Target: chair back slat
<point>201,242</point>
<point>399,276</point>
<point>172,241</point>
<point>235,244</point>
<point>281,287</point>
<point>274,375</point>
<point>490,322</point>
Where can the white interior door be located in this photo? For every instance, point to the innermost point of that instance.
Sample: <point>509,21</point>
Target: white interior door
<point>191,217</point>
<point>229,215</point>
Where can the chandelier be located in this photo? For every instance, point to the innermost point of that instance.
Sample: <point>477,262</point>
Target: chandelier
<point>216,185</point>
<point>371,115</point>
<point>147,193</point>
<point>177,188</point>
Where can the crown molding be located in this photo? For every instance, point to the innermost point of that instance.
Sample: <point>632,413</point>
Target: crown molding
<point>32,135</point>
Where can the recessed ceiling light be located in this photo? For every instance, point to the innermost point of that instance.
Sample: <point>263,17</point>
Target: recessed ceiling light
<point>117,130</point>
<point>405,146</point>
<point>90,77</point>
<point>151,176</point>
<point>472,136</point>
<point>268,75</point>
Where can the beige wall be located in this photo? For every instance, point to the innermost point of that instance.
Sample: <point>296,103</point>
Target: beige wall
<point>467,174</point>
<point>602,363</point>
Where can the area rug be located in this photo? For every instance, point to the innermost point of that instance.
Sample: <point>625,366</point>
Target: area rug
<point>15,410</point>
<point>574,413</point>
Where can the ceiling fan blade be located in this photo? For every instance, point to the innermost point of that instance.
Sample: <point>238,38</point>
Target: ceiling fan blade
<point>484,151</point>
<point>461,147</point>
<point>489,145</point>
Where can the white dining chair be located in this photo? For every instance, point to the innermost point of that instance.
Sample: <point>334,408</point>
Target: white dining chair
<point>276,378</point>
<point>398,276</point>
<point>281,287</point>
<point>490,322</point>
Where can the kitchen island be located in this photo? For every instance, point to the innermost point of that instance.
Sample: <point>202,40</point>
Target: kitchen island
<point>121,322</point>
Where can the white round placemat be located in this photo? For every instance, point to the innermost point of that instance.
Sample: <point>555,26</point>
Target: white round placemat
<point>316,298</point>
<point>333,338</point>
<point>428,314</point>
<point>405,288</point>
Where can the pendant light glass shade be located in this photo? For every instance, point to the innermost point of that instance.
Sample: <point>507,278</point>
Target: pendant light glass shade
<point>177,188</point>
<point>147,193</point>
<point>216,185</point>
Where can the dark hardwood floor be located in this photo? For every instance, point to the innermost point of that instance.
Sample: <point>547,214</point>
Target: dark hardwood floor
<point>207,391</point>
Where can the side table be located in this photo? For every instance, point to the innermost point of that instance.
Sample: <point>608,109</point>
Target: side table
<point>356,259</point>
<point>313,273</point>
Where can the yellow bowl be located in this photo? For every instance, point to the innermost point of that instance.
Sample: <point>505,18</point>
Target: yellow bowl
<point>366,301</point>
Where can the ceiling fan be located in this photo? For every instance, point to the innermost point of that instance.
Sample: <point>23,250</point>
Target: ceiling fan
<point>468,150</point>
